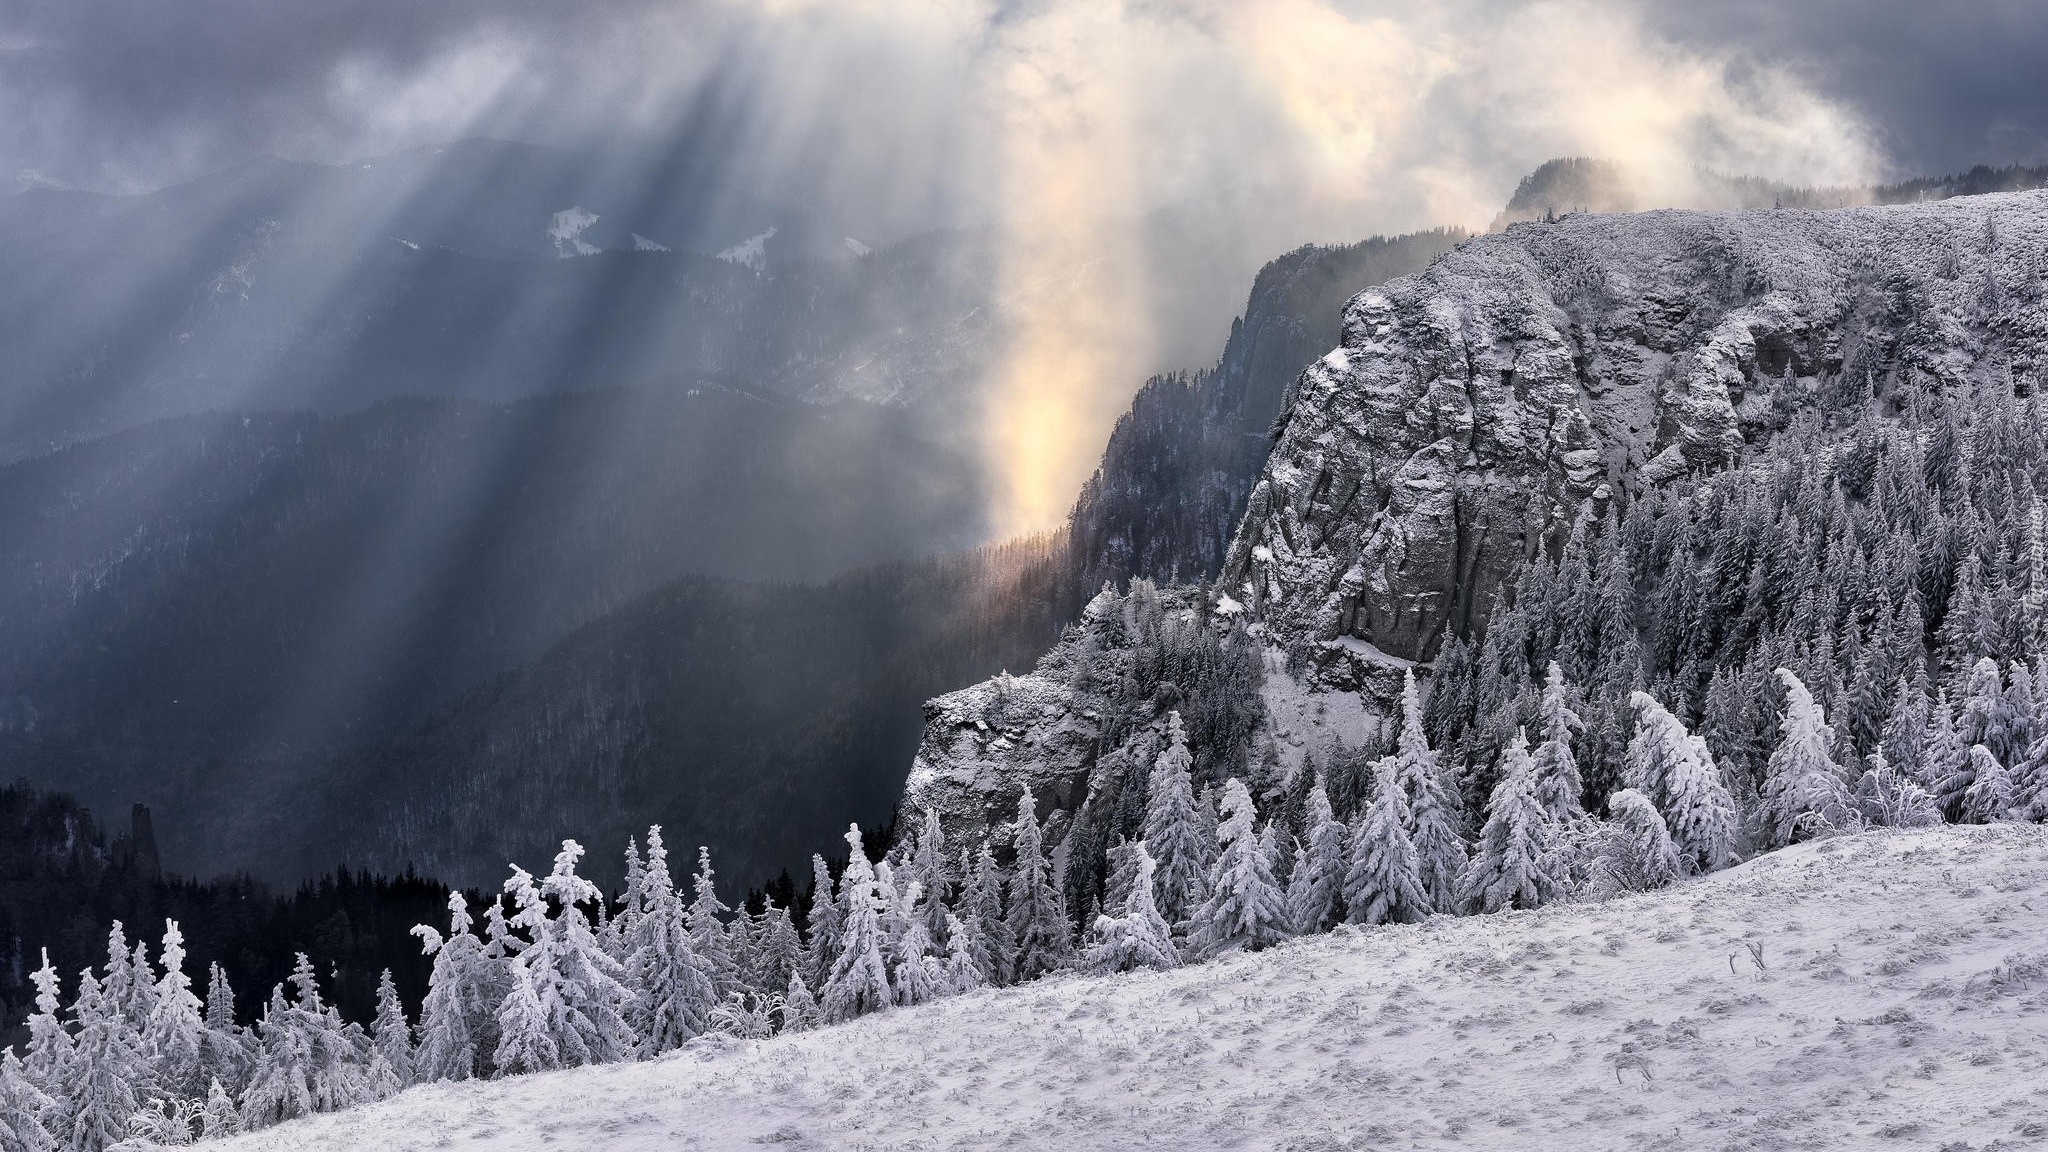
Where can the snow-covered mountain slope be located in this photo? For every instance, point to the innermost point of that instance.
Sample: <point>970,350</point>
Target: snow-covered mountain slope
<point>1900,999</point>
<point>1474,405</point>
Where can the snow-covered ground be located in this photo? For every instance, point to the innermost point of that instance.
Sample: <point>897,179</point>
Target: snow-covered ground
<point>1901,1001</point>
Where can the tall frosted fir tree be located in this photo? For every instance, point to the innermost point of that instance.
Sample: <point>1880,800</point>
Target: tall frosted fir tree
<point>1173,827</point>
<point>1435,824</point>
<point>1138,937</point>
<point>176,1026</point>
<point>49,1042</point>
<point>859,982</point>
<point>224,1051</point>
<point>672,993</point>
<point>931,868</point>
<point>1037,917</point>
<point>1557,780</point>
<point>1641,855</point>
<point>823,946</point>
<point>567,1006</point>
<point>454,1043</point>
<point>707,929</point>
<point>1512,865</point>
<point>1804,794</point>
<point>308,1061</point>
<point>1675,772</point>
<point>1317,881</point>
<point>1383,878</point>
<point>1990,795</point>
<point>106,1078</point>
<point>981,910</point>
<point>391,1033</point>
<point>27,1113</point>
<point>1244,908</point>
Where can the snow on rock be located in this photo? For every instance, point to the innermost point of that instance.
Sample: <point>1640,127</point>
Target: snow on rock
<point>643,244</point>
<point>566,229</point>
<point>751,252</point>
<point>857,248</point>
<point>1475,404</point>
<point>1896,997</point>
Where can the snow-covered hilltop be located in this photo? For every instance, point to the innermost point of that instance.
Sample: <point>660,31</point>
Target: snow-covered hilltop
<point>1477,405</point>
<point>1897,993</point>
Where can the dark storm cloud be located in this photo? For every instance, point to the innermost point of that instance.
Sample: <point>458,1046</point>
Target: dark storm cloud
<point>1943,85</point>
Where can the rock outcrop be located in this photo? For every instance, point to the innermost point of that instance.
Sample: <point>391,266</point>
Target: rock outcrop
<point>1525,376</point>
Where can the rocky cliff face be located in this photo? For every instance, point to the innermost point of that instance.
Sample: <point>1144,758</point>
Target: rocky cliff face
<point>1479,405</point>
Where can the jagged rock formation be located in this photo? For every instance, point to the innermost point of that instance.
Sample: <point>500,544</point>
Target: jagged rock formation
<point>1472,408</point>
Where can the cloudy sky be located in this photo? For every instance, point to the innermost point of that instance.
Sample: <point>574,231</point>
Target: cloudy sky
<point>1054,120</point>
<point>131,93</point>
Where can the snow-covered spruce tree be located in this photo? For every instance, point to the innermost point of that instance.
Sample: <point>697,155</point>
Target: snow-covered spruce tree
<point>963,969</point>
<point>708,933</point>
<point>915,977</point>
<point>390,1033</point>
<point>778,950</point>
<point>672,993</point>
<point>1990,794</point>
<point>1987,716</point>
<point>1243,908</point>
<point>106,1077</point>
<point>49,1048</point>
<point>1173,827</point>
<point>933,871</point>
<point>1383,876</point>
<point>1435,822</point>
<point>567,1006</point>
<point>1944,758</point>
<point>27,1114</point>
<point>981,911</point>
<point>226,1047</point>
<point>218,1116</point>
<point>1138,937</point>
<point>1036,916</point>
<point>1512,865</point>
<point>1317,881</point>
<point>859,982</point>
<point>1804,794</point>
<point>1557,780</point>
<point>1639,854</point>
<point>176,1029</point>
<point>822,949</point>
<point>799,1007</point>
<point>459,996</point>
<point>1674,770</point>
<point>307,1059</point>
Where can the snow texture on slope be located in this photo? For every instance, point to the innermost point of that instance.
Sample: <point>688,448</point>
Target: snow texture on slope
<point>1900,1001</point>
<point>1529,372</point>
<point>751,252</point>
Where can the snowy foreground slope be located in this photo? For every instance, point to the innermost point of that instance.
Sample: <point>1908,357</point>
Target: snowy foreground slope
<point>1902,1002</point>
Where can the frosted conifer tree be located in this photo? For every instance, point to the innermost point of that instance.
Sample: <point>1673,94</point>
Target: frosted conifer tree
<point>1558,783</point>
<point>823,946</point>
<point>981,911</point>
<point>859,983</point>
<point>106,1078</point>
<point>1990,795</point>
<point>450,1046</point>
<point>1987,716</point>
<point>914,978</point>
<point>49,1044</point>
<point>1944,758</point>
<point>672,993</point>
<point>1036,917</point>
<point>1641,855</point>
<point>1699,813</point>
<point>963,970</point>
<point>1173,826</point>
<point>1244,908</point>
<point>1434,821</point>
<point>778,951</point>
<point>1317,881</point>
<point>176,1028</point>
<point>933,872</point>
<point>1512,865</point>
<point>27,1113</point>
<point>799,1007</point>
<point>218,1117</point>
<point>307,1059</point>
<point>1138,937</point>
<point>566,1007</point>
<point>1804,794</point>
<point>1383,876</point>
<point>391,1033</point>
<point>226,1047</point>
<point>1660,740</point>
<point>707,930</point>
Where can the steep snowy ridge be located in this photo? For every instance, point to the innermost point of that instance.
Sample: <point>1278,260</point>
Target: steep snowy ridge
<point>1476,405</point>
<point>1883,990</point>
